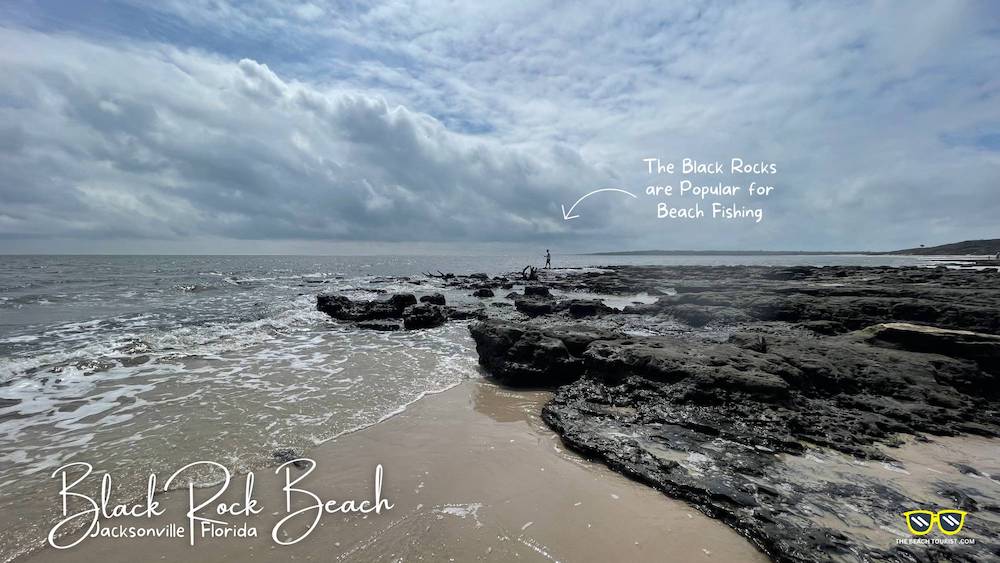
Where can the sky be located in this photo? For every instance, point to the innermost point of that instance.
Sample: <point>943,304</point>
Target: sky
<point>324,127</point>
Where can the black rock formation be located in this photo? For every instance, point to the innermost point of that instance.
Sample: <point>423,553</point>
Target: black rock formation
<point>435,298</point>
<point>770,408</point>
<point>342,308</point>
<point>423,315</point>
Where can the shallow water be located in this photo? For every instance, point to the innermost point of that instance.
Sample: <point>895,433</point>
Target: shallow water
<point>139,364</point>
<point>928,470</point>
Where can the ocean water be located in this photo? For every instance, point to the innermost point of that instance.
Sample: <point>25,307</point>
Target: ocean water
<point>140,364</point>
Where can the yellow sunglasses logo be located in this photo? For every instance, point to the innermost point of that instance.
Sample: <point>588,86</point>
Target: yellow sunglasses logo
<point>920,522</point>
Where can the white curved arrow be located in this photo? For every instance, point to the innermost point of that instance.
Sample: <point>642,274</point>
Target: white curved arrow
<point>567,214</point>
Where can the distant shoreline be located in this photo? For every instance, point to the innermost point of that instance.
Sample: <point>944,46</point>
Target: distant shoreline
<point>982,247</point>
<point>734,253</point>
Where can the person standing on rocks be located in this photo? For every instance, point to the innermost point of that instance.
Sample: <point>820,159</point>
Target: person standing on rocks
<point>548,259</point>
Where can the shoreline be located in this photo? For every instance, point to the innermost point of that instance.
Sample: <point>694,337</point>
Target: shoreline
<point>474,474</point>
<point>723,391</point>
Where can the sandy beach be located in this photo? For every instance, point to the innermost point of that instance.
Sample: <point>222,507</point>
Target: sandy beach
<point>473,474</point>
<point>684,417</point>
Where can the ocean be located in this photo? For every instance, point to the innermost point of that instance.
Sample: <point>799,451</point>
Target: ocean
<point>140,364</point>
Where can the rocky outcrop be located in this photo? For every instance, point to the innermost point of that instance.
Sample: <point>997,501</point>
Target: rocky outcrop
<point>841,393</point>
<point>465,312</point>
<point>528,357</point>
<point>483,292</point>
<point>395,313</point>
<point>344,309</point>
<point>537,291</point>
<point>703,422</point>
<point>534,306</point>
<point>696,315</point>
<point>579,308</point>
<point>782,372</point>
<point>474,281</point>
<point>435,298</point>
<point>853,297</point>
<point>984,349</point>
<point>423,315</point>
<point>384,326</point>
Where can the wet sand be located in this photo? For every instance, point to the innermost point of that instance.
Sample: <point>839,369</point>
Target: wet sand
<point>473,474</point>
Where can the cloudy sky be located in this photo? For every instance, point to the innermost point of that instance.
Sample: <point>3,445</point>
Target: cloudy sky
<point>313,127</point>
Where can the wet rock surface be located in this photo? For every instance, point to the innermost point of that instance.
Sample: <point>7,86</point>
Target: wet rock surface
<point>525,356</point>
<point>534,306</point>
<point>465,312</point>
<point>344,309</point>
<point>381,325</point>
<point>775,399</point>
<point>423,315</point>
<point>399,311</point>
<point>851,296</point>
<point>435,298</point>
<point>405,311</point>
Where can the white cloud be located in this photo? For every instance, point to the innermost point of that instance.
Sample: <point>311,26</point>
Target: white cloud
<point>872,112</point>
<point>155,142</point>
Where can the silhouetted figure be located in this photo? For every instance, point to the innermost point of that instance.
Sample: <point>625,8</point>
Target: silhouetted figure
<point>548,259</point>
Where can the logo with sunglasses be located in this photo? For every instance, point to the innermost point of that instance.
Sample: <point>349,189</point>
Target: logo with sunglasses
<point>921,522</point>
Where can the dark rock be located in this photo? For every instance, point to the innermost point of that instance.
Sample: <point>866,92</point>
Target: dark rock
<point>342,308</point>
<point>733,404</point>
<point>401,301</point>
<point>755,342</point>
<point>854,297</point>
<point>701,315</point>
<point>858,312</point>
<point>537,291</point>
<point>285,455</point>
<point>524,356</point>
<point>385,326</point>
<point>435,298</point>
<point>534,306</point>
<point>465,312</point>
<point>984,349</point>
<point>483,292</point>
<point>479,276</point>
<point>967,469</point>
<point>828,328</point>
<point>424,315</point>
<point>579,308</point>
<point>793,273</point>
<point>731,420</point>
<point>336,306</point>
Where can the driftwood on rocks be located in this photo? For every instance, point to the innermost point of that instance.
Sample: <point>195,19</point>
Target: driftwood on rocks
<point>440,275</point>
<point>529,273</point>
